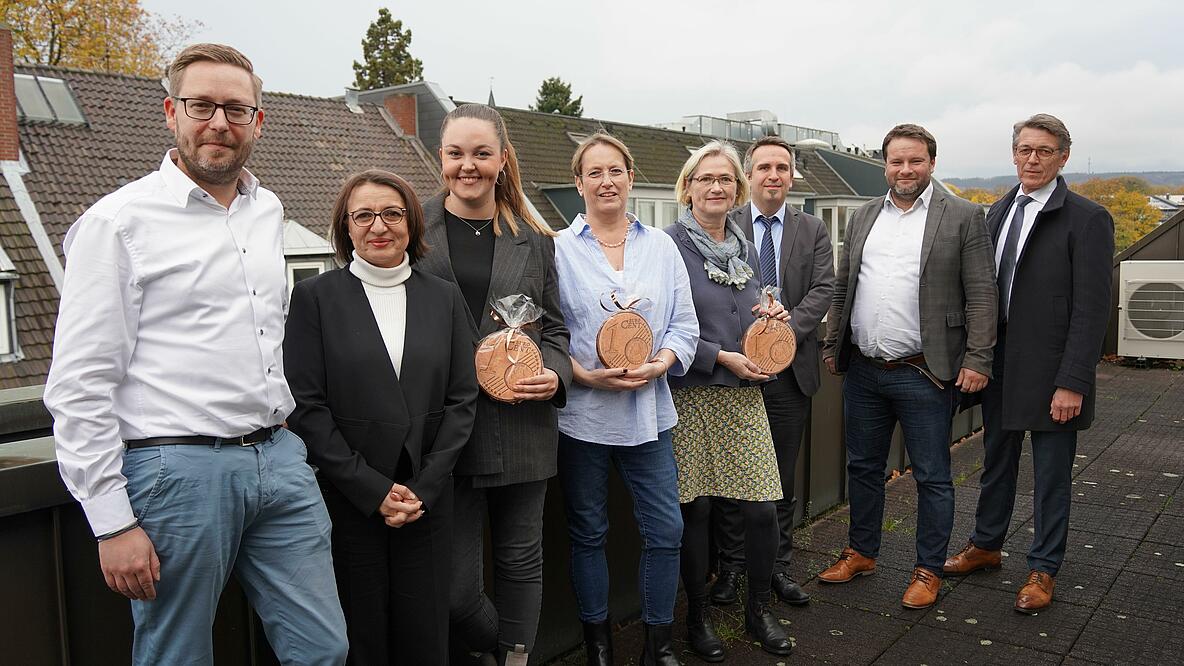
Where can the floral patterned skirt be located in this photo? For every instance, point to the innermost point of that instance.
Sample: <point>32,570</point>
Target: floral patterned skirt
<point>723,446</point>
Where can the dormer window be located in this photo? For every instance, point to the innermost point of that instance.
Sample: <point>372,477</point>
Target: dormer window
<point>9,351</point>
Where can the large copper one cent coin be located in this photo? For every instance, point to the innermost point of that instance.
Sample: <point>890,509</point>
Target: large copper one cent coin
<point>624,341</point>
<point>770,344</point>
<point>499,367</point>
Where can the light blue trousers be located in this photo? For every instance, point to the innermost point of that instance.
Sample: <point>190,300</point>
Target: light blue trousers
<point>255,511</point>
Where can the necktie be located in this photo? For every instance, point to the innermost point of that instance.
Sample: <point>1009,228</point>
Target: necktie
<point>1010,250</point>
<point>768,255</point>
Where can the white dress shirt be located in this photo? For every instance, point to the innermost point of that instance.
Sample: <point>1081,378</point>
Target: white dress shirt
<point>388,301</point>
<point>759,231</point>
<point>1039,200</point>
<point>886,315</point>
<point>171,323</point>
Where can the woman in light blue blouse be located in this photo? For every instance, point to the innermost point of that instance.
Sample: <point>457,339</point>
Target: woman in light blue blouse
<point>617,417</point>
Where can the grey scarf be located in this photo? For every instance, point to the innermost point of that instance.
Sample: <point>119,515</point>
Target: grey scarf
<point>725,262</point>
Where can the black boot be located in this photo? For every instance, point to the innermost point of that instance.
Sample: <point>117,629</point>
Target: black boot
<point>700,633</point>
<point>657,650</point>
<point>598,641</point>
<point>723,591</point>
<point>765,628</point>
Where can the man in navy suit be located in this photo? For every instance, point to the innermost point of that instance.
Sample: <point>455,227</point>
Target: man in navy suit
<point>1053,252</point>
<point>794,253</point>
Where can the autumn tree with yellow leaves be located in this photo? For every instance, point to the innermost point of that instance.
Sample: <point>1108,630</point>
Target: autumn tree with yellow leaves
<point>1126,199</point>
<point>117,36</point>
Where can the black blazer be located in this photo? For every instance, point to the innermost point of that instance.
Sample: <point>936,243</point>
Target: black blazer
<point>807,284</point>
<point>355,415</point>
<point>724,313</point>
<point>1060,304</point>
<point>510,443</point>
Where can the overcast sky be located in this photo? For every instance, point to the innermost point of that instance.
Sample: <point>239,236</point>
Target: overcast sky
<point>1113,71</point>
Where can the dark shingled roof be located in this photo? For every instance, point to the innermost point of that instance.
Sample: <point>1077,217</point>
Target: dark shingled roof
<point>309,145</point>
<point>35,296</point>
<point>545,148</point>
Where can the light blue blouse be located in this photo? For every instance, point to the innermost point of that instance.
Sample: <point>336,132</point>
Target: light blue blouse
<point>655,270</point>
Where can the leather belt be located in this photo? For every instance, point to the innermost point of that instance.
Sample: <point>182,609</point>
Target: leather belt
<point>916,362</point>
<point>260,435</point>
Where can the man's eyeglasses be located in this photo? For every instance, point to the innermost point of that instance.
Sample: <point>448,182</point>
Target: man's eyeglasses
<point>1043,152</point>
<point>201,109</point>
<point>708,181</point>
<point>364,217</point>
<point>615,173</point>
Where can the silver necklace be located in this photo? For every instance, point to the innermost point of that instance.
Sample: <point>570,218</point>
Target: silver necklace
<point>476,230</point>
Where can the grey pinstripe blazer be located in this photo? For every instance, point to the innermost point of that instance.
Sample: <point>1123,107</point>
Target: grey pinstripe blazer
<point>510,443</point>
<point>958,297</point>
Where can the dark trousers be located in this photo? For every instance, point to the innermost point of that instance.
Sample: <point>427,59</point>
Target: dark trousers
<point>393,582</point>
<point>788,408</point>
<point>1052,456</point>
<point>760,544</point>
<point>516,538</point>
<point>874,400</point>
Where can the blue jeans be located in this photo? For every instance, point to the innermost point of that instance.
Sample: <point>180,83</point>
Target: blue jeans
<point>874,400</point>
<point>648,471</point>
<point>251,510</point>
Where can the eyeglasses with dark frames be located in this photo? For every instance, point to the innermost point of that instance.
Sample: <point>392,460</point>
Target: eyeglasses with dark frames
<point>364,217</point>
<point>203,109</point>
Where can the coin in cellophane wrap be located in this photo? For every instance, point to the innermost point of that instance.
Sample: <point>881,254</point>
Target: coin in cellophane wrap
<point>508,356</point>
<point>769,343</point>
<point>624,339</point>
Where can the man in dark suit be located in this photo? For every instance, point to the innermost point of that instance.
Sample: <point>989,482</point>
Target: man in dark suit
<point>913,317</point>
<point>1053,250</point>
<point>794,254</point>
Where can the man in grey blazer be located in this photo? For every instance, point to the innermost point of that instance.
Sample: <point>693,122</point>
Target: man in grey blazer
<point>794,254</point>
<point>913,319</point>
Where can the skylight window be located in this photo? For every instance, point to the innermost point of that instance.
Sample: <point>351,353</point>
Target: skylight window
<point>47,99</point>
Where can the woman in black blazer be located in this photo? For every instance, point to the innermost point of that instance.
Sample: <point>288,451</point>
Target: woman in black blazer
<point>379,357</point>
<point>485,239</point>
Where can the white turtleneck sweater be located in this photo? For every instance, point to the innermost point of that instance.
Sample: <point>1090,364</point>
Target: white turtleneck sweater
<point>388,300</point>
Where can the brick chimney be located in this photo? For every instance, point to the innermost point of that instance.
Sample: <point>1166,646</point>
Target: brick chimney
<point>10,142</point>
<point>403,109</point>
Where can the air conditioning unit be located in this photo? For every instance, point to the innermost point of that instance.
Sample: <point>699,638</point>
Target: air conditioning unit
<point>1151,309</point>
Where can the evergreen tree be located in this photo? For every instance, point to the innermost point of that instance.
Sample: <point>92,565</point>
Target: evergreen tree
<point>386,60</point>
<point>555,97</point>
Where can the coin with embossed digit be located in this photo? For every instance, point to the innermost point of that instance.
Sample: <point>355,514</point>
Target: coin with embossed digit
<point>770,344</point>
<point>624,341</point>
<point>500,366</point>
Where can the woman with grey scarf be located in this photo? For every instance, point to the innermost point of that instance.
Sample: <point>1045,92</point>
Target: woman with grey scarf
<point>722,443</point>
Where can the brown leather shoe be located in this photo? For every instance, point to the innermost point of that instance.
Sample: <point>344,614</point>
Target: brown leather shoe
<point>850,565</point>
<point>972,558</point>
<point>1036,594</point>
<point>922,592</point>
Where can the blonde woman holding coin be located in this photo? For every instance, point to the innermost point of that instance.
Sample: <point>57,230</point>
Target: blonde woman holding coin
<point>722,442</point>
<point>621,416</point>
<point>485,239</point>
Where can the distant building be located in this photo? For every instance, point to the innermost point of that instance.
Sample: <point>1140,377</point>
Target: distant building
<point>1167,205</point>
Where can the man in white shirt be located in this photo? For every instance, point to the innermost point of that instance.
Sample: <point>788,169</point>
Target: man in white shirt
<point>1054,251</point>
<point>912,321</point>
<point>167,388</point>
